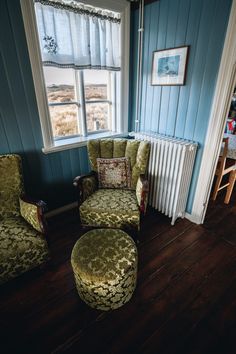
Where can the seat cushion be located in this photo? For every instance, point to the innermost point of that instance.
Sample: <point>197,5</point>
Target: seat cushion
<point>104,263</point>
<point>21,247</point>
<point>116,208</point>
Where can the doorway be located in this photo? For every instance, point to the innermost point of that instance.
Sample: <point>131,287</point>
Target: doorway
<point>226,166</point>
<point>225,85</point>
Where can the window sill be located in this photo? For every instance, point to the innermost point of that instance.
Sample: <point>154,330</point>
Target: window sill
<point>67,144</point>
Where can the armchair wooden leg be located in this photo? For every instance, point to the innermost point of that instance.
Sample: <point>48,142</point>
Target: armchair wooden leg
<point>232,178</point>
<point>217,186</point>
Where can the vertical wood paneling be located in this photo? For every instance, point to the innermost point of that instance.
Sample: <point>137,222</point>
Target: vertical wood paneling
<point>191,38</point>
<point>208,84</point>
<point>151,47</point>
<point>8,112</point>
<point>211,67</point>
<point>145,82</point>
<point>3,137</point>
<point>183,18</point>
<point>83,161</point>
<point>173,92</point>
<point>155,103</point>
<point>164,106</point>
<point>199,66</point>
<point>25,71</point>
<point>48,177</point>
<point>183,111</point>
<point>15,84</point>
<point>75,162</point>
<point>162,34</point>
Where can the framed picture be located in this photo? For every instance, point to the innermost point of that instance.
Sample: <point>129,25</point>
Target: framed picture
<point>169,66</point>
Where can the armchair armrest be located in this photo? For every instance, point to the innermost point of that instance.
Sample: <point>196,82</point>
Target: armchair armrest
<point>33,212</point>
<point>142,189</point>
<point>85,185</point>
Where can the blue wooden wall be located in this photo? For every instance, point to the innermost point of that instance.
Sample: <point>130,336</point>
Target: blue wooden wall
<point>181,111</point>
<point>48,177</point>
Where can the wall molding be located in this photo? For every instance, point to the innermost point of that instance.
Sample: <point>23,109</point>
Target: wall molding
<point>220,106</point>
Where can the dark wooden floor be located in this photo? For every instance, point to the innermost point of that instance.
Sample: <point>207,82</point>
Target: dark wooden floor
<point>185,301</point>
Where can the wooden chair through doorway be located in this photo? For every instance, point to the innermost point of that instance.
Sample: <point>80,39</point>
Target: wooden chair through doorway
<point>232,179</point>
<point>223,169</point>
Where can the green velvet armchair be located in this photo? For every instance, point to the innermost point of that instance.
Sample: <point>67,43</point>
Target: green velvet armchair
<point>22,229</point>
<point>114,208</point>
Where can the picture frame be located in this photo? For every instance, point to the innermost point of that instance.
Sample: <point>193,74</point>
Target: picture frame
<point>169,66</point>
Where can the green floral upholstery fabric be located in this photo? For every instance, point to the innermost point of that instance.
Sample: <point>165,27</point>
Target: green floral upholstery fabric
<point>29,212</point>
<point>21,248</point>
<point>141,162</point>
<point>11,184</point>
<point>131,151</point>
<point>93,153</point>
<point>119,146</point>
<point>142,195</point>
<point>106,148</point>
<point>137,151</point>
<point>89,186</point>
<point>116,208</point>
<point>104,263</point>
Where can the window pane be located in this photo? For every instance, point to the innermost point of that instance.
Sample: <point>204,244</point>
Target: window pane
<point>96,84</point>
<point>59,84</point>
<point>64,120</point>
<point>97,116</point>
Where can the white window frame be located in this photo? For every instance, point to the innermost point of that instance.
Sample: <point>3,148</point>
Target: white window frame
<point>81,103</point>
<point>121,114</point>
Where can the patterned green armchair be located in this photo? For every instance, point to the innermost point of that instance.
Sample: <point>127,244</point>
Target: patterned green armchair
<point>115,208</point>
<point>22,241</point>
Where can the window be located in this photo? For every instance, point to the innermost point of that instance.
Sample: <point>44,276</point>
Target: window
<point>77,102</point>
<point>98,86</point>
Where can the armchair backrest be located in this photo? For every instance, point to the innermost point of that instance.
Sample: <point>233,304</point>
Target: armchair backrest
<point>11,184</point>
<point>137,151</point>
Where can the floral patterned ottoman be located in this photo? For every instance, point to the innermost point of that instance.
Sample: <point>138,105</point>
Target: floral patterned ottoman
<point>104,263</point>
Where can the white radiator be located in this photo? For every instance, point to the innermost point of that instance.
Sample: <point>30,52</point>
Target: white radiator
<point>169,172</point>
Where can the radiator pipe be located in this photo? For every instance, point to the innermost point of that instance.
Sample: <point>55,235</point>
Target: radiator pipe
<point>139,65</point>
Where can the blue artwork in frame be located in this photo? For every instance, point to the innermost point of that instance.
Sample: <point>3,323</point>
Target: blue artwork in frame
<point>169,66</point>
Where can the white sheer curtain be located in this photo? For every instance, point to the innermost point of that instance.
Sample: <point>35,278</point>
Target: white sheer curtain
<point>76,37</point>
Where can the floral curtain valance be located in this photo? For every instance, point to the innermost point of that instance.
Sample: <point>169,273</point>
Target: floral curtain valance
<point>78,37</point>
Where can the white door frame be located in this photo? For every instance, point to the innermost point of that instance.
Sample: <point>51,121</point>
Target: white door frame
<point>220,107</point>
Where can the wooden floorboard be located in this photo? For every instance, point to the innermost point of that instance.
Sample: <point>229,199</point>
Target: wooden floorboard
<point>184,302</point>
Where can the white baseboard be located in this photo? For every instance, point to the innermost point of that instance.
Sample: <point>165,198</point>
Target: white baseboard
<point>61,210</point>
<point>193,218</point>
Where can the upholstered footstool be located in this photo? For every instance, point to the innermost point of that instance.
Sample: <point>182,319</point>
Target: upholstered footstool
<point>104,263</point>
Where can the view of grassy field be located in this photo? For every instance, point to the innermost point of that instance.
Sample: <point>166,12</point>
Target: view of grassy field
<point>65,117</point>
